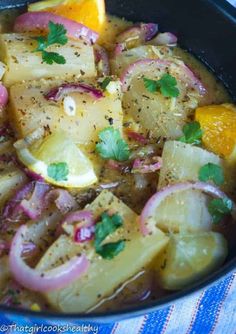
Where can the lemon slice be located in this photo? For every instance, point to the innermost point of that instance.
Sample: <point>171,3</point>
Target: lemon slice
<point>189,257</point>
<point>58,160</point>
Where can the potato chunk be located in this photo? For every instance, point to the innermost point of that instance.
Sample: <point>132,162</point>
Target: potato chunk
<point>186,210</point>
<point>29,110</point>
<point>23,64</point>
<point>103,276</point>
<point>11,179</point>
<point>157,115</point>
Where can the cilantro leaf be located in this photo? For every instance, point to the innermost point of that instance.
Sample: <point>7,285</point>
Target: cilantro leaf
<point>52,57</point>
<point>105,83</point>
<point>104,228</point>
<point>218,208</point>
<point>192,134</point>
<point>42,43</point>
<point>110,250</point>
<point>112,145</point>
<point>167,85</point>
<point>56,35</point>
<point>58,171</point>
<point>151,85</point>
<point>211,172</point>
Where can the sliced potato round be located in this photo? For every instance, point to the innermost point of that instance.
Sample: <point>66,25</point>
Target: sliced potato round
<point>160,116</point>
<point>189,257</point>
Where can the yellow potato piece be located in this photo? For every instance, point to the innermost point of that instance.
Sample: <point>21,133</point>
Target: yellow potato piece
<point>187,210</point>
<point>29,110</point>
<point>11,179</point>
<point>16,51</point>
<point>103,276</point>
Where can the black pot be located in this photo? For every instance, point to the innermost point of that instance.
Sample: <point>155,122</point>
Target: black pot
<point>207,28</point>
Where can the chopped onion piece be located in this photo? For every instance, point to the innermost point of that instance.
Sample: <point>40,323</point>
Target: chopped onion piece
<point>34,206</point>
<point>59,92</point>
<point>147,218</point>
<point>10,209</point>
<point>43,281</point>
<point>102,60</point>
<point>84,230</point>
<point>63,200</point>
<point>69,106</point>
<point>3,96</point>
<point>143,32</point>
<point>166,38</point>
<point>137,137</point>
<point>119,48</point>
<point>145,166</point>
<point>38,21</point>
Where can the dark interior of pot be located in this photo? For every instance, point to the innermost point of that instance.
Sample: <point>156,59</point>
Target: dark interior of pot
<point>208,30</point>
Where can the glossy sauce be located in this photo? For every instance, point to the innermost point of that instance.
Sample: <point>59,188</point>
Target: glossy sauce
<point>134,191</point>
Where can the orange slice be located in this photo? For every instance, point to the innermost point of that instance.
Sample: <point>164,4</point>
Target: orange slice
<point>219,125</point>
<point>88,12</point>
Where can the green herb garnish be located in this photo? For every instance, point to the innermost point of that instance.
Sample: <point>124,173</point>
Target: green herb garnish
<point>167,85</point>
<point>58,171</point>
<point>112,145</point>
<point>211,172</point>
<point>192,134</point>
<point>105,83</point>
<point>218,208</point>
<point>108,225</point>
<point>56,35</point>
<point>110,250</point>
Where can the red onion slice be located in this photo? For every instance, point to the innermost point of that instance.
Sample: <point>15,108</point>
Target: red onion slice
<point>34,206</point>
<point>59,92</point>
<point>32,175</point>
<point>3,96</point>
<point>85,231</point>
<point>102,60</point>
<point>151,206</point>
<point>143,32</point>
<point>63,200</point>
<point>137,137</point>
<point>145,166</point>
<point>119,48</point>
<point>28,248</point>
<point>9,209</point>
<point>43,281</point>
<point>178,69</point>
<point>38,21</point>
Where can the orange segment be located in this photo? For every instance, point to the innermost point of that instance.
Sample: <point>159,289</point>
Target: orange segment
<point>88,12</point>
<point>219,125</point>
